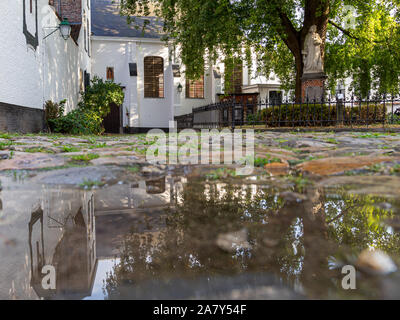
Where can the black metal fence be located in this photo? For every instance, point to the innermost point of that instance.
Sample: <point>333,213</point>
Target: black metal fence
<point>241,112</point>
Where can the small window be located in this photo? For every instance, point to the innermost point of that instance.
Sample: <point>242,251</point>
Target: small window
<point>110,74</point>
<point>153,77</point>
<point>195,89</point>
<point>31,6</point>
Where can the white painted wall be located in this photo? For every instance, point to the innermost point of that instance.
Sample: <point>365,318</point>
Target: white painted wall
<point>30,77</point>
<point>118,53</point>
<point>184,105</point>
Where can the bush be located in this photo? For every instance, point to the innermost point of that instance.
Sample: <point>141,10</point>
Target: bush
<point>88,117</point>
<point>100,94</point>
<point>320,115</point>
<point>53,111</point>
<point>77,122</point>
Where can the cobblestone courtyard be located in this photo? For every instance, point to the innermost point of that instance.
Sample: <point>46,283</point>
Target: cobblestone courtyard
<point>315,202</point>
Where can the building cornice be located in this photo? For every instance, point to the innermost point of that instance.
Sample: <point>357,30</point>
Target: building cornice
<point>127,39</point>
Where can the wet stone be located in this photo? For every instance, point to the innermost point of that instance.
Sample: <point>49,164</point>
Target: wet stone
<point>119,227</point>
<point>31,161</point>
<point>375,262</point>
<point>330,166</point>
<point>77,176</point>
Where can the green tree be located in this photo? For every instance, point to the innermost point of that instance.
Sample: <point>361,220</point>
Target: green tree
<point>276,30</point>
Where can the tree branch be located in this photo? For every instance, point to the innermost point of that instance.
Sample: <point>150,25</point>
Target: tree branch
<point>349,34</point>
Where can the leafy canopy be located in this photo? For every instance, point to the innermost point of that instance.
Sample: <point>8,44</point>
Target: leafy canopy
<point>365,49</point>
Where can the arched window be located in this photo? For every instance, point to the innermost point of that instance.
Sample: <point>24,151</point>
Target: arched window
<point>195,89</point>
<point>153,77</point>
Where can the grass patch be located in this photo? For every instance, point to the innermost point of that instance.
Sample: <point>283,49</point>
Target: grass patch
<point>261,162</point>
<point>134,169</point>
<point>98,146</point>
<point>5,145</point>
<point>5,136</point>
<point>85,158</point>
<point>69,149</point>
<point>38,150</point>
<point>331,140</point>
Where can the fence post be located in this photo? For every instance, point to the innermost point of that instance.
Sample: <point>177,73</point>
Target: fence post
<point>339,111</point>
<point>233,112</point>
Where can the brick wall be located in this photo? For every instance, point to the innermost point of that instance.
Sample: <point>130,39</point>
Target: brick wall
<point>20,119</point>
<point>71,9</point>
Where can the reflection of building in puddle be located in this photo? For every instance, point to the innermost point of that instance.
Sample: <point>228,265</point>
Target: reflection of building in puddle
<point>138,196</point>
<point>71,229</point>
<point>62,235</point>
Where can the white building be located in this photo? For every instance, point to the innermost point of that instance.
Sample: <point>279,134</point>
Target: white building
<point>146,67</point>
<point>38,65</point>
<point>34,68</point>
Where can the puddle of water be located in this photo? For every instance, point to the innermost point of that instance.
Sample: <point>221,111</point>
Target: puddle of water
<point>176,237</point>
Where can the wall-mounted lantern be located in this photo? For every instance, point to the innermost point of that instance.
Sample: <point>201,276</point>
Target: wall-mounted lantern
<point>65,29</point>
<point>179,88</point>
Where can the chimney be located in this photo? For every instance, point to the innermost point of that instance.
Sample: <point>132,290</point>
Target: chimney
<point>72,10</point>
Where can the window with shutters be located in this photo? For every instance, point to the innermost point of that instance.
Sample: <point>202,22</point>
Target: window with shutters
<point>153,77</point>
<point>110,74</point>
<point>195,89</point>
<point>233,76</point>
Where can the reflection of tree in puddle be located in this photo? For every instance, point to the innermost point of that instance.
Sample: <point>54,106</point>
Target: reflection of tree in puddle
<point>359,222</point>
<point>293,238</point>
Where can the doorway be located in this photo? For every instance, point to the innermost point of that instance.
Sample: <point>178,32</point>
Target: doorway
<point>112,122</point>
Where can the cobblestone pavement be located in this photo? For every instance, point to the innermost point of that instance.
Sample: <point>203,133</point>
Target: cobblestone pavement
<point>314,203</point>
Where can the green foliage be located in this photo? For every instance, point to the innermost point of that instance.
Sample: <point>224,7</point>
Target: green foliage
<point>86,158</point>
<point>38,150</point>
<point>313,113</point>
<point>88,117</point>
<point>99,95</point>
<point>367,50</point>
<point>5,145</point>
<point>53,111</point>
<point>78,122</point>
<point>261,162</point>
<point>69,148</point>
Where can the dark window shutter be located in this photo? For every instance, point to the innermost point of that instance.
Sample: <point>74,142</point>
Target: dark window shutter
<point>133,69</point>
<point>87,79</point>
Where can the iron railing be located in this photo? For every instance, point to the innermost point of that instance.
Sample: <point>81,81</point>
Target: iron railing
<point>241,112</point>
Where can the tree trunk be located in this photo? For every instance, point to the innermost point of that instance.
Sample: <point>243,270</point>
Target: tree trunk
<point>316,13</point>
<point>299,74</point>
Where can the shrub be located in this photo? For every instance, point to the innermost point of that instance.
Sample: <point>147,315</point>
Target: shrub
<point>53,111</point>
<point>320,114</point>
<point>78,121</point>
<point>100,94</point>
<point>87,119</point>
